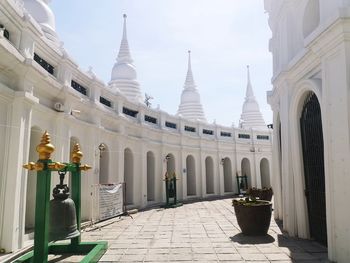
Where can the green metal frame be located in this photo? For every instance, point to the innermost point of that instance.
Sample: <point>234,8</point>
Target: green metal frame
<point>168,180</point>
<point>93,250</point>
<point>240,181</point>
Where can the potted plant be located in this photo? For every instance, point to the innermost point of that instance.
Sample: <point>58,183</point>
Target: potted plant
<point>253,216</point>
<point>262,194</point>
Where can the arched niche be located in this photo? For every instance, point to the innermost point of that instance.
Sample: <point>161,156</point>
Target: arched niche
<point>228,183</point>
<point>129,176</point>
<point>170,163</point>
<point>150,176</point>
<point>311,134</point>
<point>246,170</point>
<point>35,137</point>
<point>191,175</point>
<point>265,173</point>
<point>311,18</point>
<point>209,175</point>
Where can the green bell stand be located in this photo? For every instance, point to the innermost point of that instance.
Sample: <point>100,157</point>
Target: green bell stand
<point>170,191</point>
<point>93,251</point>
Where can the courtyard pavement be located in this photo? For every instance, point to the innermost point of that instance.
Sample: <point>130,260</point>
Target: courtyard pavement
<point>204,231</point>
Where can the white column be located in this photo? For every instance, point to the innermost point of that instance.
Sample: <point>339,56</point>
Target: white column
<point>336,126</point>
<point>16,149</point>
<point>289,212</point>
<point>276,169</point>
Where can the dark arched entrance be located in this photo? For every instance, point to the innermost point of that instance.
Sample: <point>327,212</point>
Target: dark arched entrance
<point>313,158</point>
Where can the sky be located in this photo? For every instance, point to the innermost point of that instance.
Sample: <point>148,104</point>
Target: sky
<point>223,35</point>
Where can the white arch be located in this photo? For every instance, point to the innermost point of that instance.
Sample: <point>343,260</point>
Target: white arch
<point>228,182</point>
<point>191,175</point>
<point>129,176</point>
<point>311,17</point>
<point>296,105</point>
<point>150,176</point>
<point>265,173</point>
<point>246,170</point>
<point>209,175</point>
<point>170,166</point>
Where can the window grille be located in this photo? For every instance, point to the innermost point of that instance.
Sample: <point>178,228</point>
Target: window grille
<point>150,119</point>
<point>225,134</point>
<point>105,102</point>
<point>170,125</point>
<point>78,87</point>
<point>243,136</point>
<point>190,129</point>
<point>208,132</point>
<point>44,64</point>
<point>129,112</point>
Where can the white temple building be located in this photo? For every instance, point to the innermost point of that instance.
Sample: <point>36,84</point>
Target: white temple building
<point>42,88</point>
<point>311,118</point>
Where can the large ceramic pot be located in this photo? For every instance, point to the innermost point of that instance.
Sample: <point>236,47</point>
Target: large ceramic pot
<point>253,216</point>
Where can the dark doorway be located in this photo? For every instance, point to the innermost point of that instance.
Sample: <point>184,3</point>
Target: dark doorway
<point>313,157</point>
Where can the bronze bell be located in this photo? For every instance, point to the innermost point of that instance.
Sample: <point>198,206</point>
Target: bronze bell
<point>63,220</point>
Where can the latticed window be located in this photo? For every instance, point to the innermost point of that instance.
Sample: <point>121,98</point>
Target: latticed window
<point>190,129</point>
<point>150,119</point>
<point>262,137</point>
<point>225,134</point>
<point>44,64</point>
<point>170,125</point>
<point>243,136</point>
<point>78,87</point>
<point>7,34</point>
<point>208,132</point>
<point>105,102</point>
<point>130,112</point>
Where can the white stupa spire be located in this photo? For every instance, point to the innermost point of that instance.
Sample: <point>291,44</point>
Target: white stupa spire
<point>43,15</point>
<point>124,77</point>
<point>190,106</point>
<point>124,51</point>
<point>251,116</point>
<point>249,92</point>
<point>189,82</point>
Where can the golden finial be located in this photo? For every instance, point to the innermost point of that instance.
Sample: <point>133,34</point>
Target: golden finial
<point>45,148</point>
<point>56,166</point>
<point>85,167</point>
<point>33,166</point>
<point>76,154</point>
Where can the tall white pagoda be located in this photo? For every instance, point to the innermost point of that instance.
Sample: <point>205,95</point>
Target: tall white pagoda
<point>124,77</point>
<point>251,116</point>
<point>190,106</point>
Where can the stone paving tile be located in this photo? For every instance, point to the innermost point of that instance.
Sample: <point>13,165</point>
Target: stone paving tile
<point>198,232</point>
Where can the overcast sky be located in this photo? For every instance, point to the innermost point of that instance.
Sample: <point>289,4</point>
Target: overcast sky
<point>223,35</point>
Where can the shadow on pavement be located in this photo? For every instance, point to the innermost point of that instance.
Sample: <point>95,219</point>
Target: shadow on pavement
<point>252,240</point>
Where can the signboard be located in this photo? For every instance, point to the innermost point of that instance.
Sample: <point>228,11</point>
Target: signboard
<point>110,200</point>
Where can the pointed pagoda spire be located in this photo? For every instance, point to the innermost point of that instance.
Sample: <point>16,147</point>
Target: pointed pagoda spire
<point>124,50</point>
<point>251,116</point>
<point>249,92</point>
<point>189,82</point>
<point>190,106</point>
<point>124,77</point>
